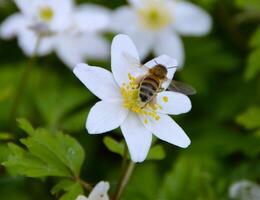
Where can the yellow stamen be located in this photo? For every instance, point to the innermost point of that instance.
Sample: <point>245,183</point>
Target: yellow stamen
<point>165,99</point>
<point>130,94</point>
<point>154,16</point>
<point>46,14</point>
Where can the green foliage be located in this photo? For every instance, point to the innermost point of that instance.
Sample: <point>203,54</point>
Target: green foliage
<point>248,4</point>
<point>190,177</point>
<point>253,66</point>
<point>250,118</point>
<point>156,152</point>
<point>48,154</point>
<point>72,189</point>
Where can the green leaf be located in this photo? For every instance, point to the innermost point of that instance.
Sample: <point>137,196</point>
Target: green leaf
<point>253,67</point>
<point>248,4</point>
<point>71,189</point>
<point>250,118</point>
<point>26,126</point>
<point>156,153</point>
<point>114,146</point>
<point>191,176</point>
<point>6,136</point>
<point>47,154</point>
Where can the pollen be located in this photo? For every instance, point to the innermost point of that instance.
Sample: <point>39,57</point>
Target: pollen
<point>165,99</point>
<point>154,17</point>
<point>131,100</point>
<point>46,14</point>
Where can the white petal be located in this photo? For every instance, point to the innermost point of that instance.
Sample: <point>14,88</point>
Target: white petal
<point>137,3</point>
<point>173,103</point>
<point>71,50</point>
<point>96,47</point>
<point>144,42</point>
<point>92,18</point>
<point>63,14</point>
<point>168,62</point>
<point>122,45</point>
<point>27,40</point>
<point>12,26</point>
<point>191,20</point>
<point>169,43</point>
<point>27,7</point>
<point>100,191</point>
<point>81,197</point>
<point>99,81</point>
<point>138,138</point>
<point>168,130</point>
<point>122,15</point>
<point>105,116</point>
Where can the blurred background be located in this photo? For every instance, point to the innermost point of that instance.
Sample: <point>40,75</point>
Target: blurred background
<point>224,124</point>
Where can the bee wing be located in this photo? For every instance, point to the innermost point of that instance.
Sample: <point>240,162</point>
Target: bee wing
<point>134,62</point>
<point>184,88</point>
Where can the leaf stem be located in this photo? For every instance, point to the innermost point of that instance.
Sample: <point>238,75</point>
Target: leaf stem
<point>23,81</point>
<point>124,180</point>
<point>84,184</point>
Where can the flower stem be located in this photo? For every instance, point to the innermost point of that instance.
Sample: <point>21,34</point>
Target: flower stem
<point>124,180</point>
<point>22,84</point>
<point>84,184</point>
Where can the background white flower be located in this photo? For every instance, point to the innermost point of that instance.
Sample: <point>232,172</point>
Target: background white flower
<point>120,106</point>
<point>156,25</point>
<point>244,190</point>
<point>72,32</point>
<point>99,192</point>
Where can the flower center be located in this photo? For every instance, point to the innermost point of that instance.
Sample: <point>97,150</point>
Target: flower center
<point>154,16</point>
<point>130,94</point>
<point>46,14</point>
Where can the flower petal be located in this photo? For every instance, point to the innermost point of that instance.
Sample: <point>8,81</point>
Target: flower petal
<point>122,45</point>
<point>70,50</point>
<point>166,61</point>
<point>144,42</point>
<point>81,197</point>
<point>100,191</point>
<point>191,20</point>
<point>12,26</point>
<point>168,130</point>
<point>96,46</point>
<point>92,18</point>
<point>27,41</point>
<point>99,81</point>
<point>169,43</point>
<point>122,15</point>
<point>138,138</point>
<point>27,7</point>
<point>63,13</point>
<point>105,116</point>
<point>173,103</point>
<point>137,3</point>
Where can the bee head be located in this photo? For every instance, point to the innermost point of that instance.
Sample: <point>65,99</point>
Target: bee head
<point>159,71</point>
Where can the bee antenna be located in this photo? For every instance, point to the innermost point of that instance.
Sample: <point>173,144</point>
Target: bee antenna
<point>156,62</point>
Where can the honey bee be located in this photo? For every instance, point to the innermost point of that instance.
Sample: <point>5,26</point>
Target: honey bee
<point>150,84</point>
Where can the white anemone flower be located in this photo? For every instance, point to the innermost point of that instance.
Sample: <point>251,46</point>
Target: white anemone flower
<point>156,25</point>
<point>121,107</point>
<point>72,32</point>
<point>244,190</point>
<point>99,192</point>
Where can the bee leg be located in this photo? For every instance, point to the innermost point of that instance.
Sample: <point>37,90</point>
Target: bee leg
<point>161,89</point>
